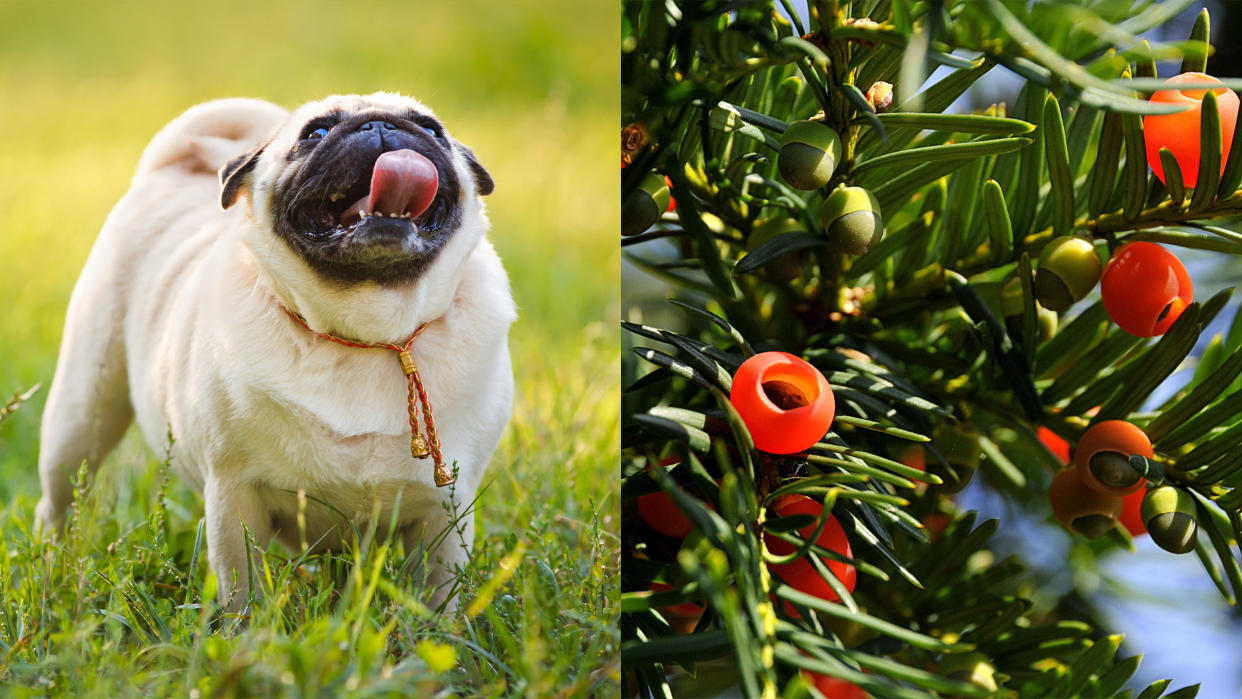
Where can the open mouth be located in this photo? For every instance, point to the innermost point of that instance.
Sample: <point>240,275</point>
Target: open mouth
<point>402,189</point>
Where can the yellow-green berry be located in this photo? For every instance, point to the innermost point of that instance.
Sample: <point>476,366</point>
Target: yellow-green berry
<point>1068,270</point>
<point>789,266</point>
<point>851,218</point>
<point>1169,514</point>
<point>810,151</point>
<point>644,205</point>
<point>1012,309</point>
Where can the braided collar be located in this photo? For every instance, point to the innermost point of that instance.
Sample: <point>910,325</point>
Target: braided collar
<point>420,447</point>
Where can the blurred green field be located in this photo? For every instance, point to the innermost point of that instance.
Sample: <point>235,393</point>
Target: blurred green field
<point>528,85</point>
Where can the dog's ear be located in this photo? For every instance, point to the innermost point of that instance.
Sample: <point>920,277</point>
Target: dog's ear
<point>236,174</point>
<point>482,179</point>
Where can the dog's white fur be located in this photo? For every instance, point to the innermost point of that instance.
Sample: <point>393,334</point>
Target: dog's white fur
<point>176,320</point>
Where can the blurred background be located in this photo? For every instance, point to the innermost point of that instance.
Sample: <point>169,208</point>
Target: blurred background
<point>525,84</point>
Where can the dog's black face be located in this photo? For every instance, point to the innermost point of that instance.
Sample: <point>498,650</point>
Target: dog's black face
<point>366,196</point>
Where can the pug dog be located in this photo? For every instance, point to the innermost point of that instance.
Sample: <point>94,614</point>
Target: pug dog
<point>309,305</point>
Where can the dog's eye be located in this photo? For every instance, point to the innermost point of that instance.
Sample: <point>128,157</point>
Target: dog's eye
<point>317,134</point>
<point>431,131</point>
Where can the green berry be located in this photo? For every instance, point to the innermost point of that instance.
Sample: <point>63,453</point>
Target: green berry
<point>1011,308</point>
<point>810,151</point>
<point>851,218</point>
<point>790,265</point>
<point>1068,270</point>
<point>644,205</point>
<point>1169,514</point>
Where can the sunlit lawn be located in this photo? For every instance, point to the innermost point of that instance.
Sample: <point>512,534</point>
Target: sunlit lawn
<point>114,607</point>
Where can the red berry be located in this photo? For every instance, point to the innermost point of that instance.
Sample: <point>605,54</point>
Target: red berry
<point>785,402</point>
<point>685,609</point>
<point>1055,444</point>
<point>935,524</point>
<point>1131,517</point>
<point>662,514</point>
<point>800,573</point>
<point>834,688</point>
<point>1179,132</point>
<point>672,203</point>
<point>1079,508</point>
<point>913,457</point>
<point>1145,288</point>
<point>1102,457</point>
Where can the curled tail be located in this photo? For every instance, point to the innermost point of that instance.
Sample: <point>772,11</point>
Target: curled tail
<point>208,135</point>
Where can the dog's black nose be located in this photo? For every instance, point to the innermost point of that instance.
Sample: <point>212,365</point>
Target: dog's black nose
<point>381,126</point>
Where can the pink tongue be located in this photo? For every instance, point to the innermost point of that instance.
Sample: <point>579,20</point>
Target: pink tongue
<point>403,182</point>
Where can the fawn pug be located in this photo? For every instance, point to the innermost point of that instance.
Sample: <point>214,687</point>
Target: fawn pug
<point>309,302</point>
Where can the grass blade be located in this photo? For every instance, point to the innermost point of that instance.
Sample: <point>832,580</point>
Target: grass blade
<point>1104,172</point>
<point>1154,689</point>
<point>1209,152</point>
<point>1045,54</point>
<point>1220,542</point>
<point>1211,449</point>
<point>838,611</point>
<point>952,151</point>
<point>855,97</point>
<point>1057,153</point>
<point>1000,229</point>
<point>704,243</point>
<point>772,250</point>
<point>1073,339</point>
<point>1087,664</point>
<point>1030,168</point>
<point>1220,413</point>
<point>1232,176</point>
<point>881,428</point>
<point>1155,366</point>
<point>676,366</point>
<point>896,190</point>
<point>12,404</point>
<point>957,123</point>
<point>1134,172</point>
<point>1196,57</point>
<point>1015,368</point>
<point>936,98</point>
<point>1197,398</point>
<point>719,322</point>
<point>1114,345</point>
<point>697,439</point>
<point>704,645</point>
<point>1030,316</point>
<point>1172,177</point>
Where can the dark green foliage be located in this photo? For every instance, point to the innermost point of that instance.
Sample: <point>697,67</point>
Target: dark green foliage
<point>908,335</point>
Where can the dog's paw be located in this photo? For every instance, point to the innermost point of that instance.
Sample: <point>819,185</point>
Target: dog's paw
<point>48,518</point>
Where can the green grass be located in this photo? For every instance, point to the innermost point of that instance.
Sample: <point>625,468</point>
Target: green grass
<point>122,604</point>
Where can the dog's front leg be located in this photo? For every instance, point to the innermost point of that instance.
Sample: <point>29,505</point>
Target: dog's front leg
<point>445,544</point>
<point>228,506</point>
